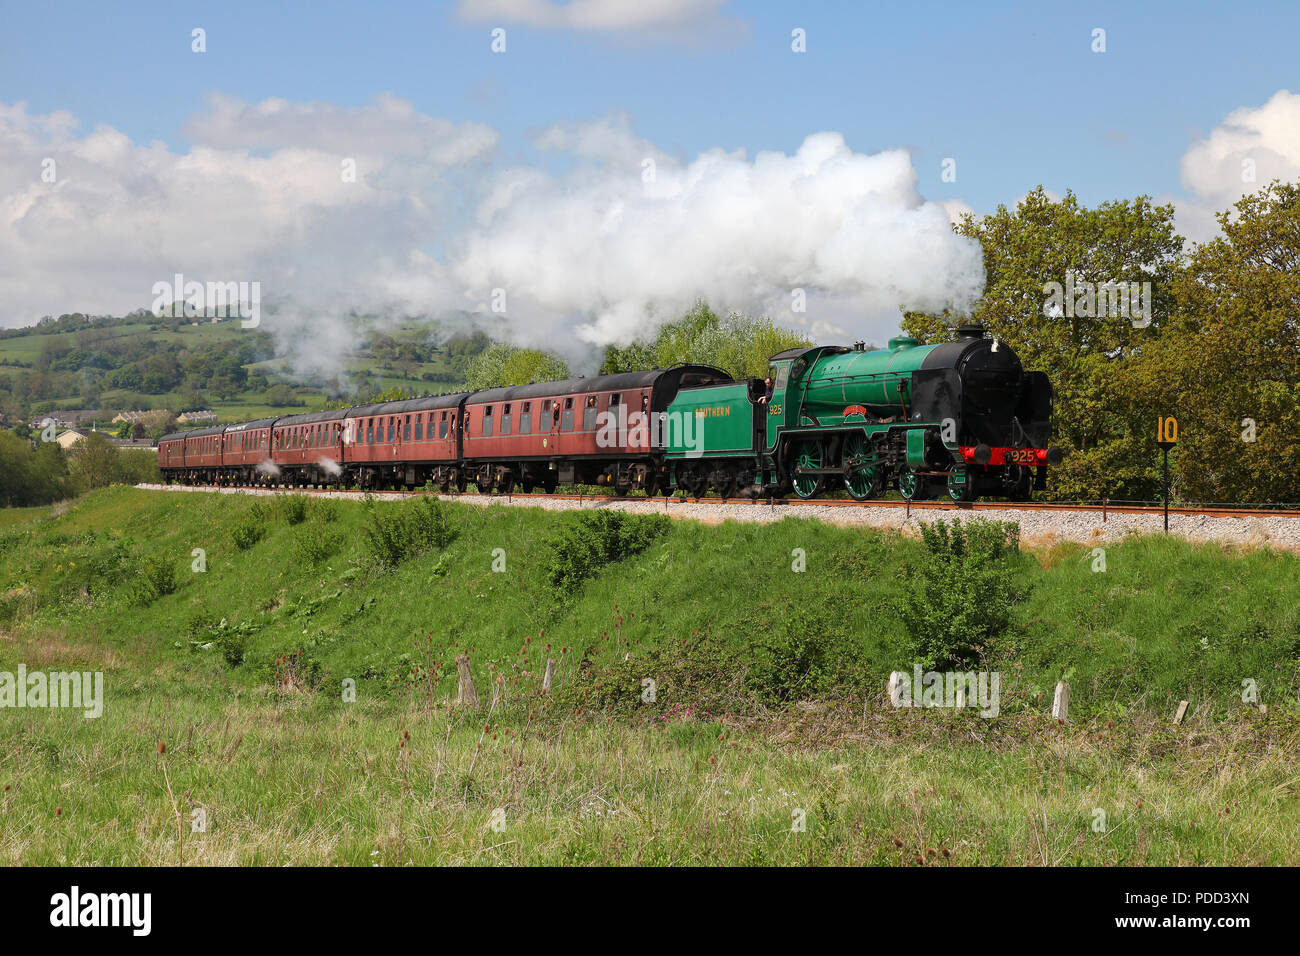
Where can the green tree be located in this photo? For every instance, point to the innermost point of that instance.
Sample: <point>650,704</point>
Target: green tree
<point>1042,241</point>
<point>739,344</point>
<point>30,475</point>
<point>94,463</point>
<point>504,364</point>
<point>1228,365</point>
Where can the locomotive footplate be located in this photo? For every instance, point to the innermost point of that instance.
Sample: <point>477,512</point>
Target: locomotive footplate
<point>833,470</point>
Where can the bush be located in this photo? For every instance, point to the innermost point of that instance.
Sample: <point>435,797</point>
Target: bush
<point>811,654</point>
<point>250,529</point>
<point>313,545</point>
<point>961,592</point>
<point>596,539</point>
<point>699,676</point>
<point>156,577</point>
<point>295,508</point>
<point>397,532</point>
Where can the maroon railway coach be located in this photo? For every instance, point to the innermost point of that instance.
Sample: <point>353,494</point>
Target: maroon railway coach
<point>171,454</point>
<point>585,430</point>
<point>406,443</point>
<point>202,453</point>
<point>246,452</point>
<point>308,449</point>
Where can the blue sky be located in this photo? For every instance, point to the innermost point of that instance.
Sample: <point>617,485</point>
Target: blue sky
<point>1012,91</point>
<point>472,162</point>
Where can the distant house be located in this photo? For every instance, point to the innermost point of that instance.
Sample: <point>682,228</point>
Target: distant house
<point>77,417</point>
<point>135,416</point>
<point>69,438</point>
<point>74,418</point>
<point>205,415</point>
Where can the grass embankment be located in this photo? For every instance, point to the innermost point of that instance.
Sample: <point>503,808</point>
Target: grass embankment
<point>715,615</point>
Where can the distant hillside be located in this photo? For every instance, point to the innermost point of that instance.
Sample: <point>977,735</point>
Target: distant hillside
<point>144,362</point>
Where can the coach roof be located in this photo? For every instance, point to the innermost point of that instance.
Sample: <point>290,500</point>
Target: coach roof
<point>329,415</point>
<point>600,383</point>
<point>450,400</point>
<point>255,423</point>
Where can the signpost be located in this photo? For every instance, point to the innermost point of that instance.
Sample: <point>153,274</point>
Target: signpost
<point>1166,438</point>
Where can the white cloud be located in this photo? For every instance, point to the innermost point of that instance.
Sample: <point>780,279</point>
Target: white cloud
<point>595,254</point>
<point>1263,142</point>
<point>119,217</point>
<point>388,126</point>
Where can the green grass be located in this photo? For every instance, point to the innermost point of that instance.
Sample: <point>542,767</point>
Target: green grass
<point>292,774</point>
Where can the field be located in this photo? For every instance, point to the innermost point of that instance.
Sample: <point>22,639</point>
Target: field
<point>769,740</point>
<point>24,351</point>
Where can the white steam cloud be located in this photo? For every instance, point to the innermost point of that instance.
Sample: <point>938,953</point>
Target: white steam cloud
<point>629,227</point>
<point>433,222</point>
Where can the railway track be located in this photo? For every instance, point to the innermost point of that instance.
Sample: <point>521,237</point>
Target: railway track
<point>1105,509</point>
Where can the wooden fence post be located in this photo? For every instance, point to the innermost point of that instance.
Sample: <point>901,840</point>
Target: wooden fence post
<point>549,675</point>
<point>1182,712</point>
<point>468,696</point>
<point>1061,702</point>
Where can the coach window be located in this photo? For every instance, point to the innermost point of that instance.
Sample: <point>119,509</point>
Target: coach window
<point>370,430</point>
<point>567,422</point>
<point>487,421</point>
<point>526,419</point>
<point>505,419</point>
<point>406,428</point>
<point>589,414</point>
<point>442,426</point>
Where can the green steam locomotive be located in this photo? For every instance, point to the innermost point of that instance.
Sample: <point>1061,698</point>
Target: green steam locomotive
<point>959,418</point>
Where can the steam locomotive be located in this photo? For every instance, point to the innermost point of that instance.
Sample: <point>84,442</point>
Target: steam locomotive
<point>960,418</point>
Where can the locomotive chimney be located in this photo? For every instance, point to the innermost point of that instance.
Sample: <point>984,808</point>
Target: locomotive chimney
<point>971,331</point>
